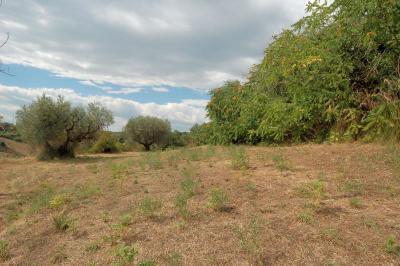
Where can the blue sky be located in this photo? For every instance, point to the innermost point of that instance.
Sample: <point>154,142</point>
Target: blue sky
<point>156,58</point>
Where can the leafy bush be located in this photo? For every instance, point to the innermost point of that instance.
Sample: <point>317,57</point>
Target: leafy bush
<point>106,143</point>
<point>333,75</point>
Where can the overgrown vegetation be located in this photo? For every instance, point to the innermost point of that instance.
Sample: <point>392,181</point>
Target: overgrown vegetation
<point>334,75</point>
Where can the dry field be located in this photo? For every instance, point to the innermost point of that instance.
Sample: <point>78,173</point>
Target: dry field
<point>303,205</point>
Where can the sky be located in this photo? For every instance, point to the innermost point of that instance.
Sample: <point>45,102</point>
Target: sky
<point>157,58</point>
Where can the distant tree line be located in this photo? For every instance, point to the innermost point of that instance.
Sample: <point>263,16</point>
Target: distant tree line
<point>56,129</point>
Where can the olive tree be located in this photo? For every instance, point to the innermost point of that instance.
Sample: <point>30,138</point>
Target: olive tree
<point>147,130</point>
<point>55,128</point>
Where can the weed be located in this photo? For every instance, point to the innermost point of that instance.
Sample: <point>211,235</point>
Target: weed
<point>40,199</point>
<point>13,212</point>
<point>4,251</point>
<point>175,259</point>
<point>149,207</point>
<point>240,160</point>
<point>147,263</point>
<point>93,247</point>
<point>62,222</point>
<point>280,162</point>
<point>218,200</point>
<point>314,190</point>
<point>307,216</point>
<point>250,238</point>
<point>59,256</point>
<point>124,255</point>
<point>125,219</point>
<point>356,203</point>
<point>119,171</point>
<point>57,201</point>
<point>370,222</point>
<point>153,160</point>
<point>329,233</point>
<point>195,154</point>
<point>188,187</point>
<point>181,201</point>
<point>85,191</point>
<point>173,159</point>
<point>210,152</point>
<point>392,246</point>
<point>352,187</point>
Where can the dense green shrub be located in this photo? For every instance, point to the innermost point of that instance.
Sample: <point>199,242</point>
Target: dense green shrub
<point>106,143</point>
<point>334,75</point>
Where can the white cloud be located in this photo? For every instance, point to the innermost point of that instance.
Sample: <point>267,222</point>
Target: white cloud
<point>182,115</point>
<point>122,91</point>
<point>194,44</point>
<point>160,89</point>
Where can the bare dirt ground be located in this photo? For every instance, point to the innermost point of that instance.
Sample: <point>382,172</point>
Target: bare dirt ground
<point>303,205</point>
<point>17,147</point>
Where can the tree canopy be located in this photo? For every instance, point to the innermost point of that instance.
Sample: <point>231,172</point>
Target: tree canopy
<point>55,127</point>
<point>335,74</point>
<point>147,130</point>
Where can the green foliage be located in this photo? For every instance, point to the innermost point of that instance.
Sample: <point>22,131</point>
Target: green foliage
<point>9,131</point>
<point>106,143</point>
<point>240,160</point>
<point>55,127</point>
<point>125,219</point>
<point>334,75</point>
<point>124,255</point>
<point>392,246</point>
<point>280,162</point>
<point>147,263</point>
<point>147,131</point>
<point>40,199</point>
<point>218,200</point>
<point>149,207</point>
<point>307,216</point>
<point>152,159</point>
<point>62,222</point>
<point>356,203</point>
<point>4,251</point>
<point>314,190</point>
<point>249,236</point>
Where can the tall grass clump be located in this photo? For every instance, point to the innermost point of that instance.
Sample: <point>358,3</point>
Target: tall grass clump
<point>240,159</point>
<point>218,200</point>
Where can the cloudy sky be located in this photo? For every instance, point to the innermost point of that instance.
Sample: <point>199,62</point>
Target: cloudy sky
<point>155,57</point>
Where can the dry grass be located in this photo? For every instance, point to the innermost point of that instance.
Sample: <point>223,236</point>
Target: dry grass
<point>302,205</point>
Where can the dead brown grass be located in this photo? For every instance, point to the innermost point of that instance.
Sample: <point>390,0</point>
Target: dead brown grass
<point>97,192</point>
